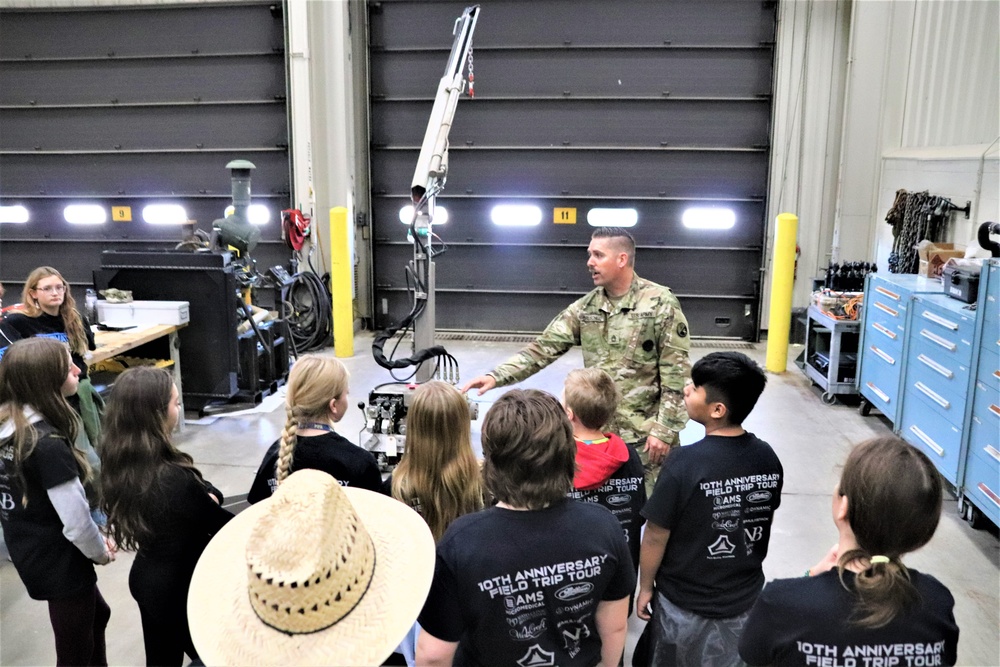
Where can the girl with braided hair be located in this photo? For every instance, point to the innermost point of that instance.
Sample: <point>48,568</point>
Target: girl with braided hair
<point>315,401</point>
<point>158,505</point>
<point>860,600</point>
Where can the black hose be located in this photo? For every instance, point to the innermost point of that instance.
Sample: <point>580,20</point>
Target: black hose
<point>310,316</point>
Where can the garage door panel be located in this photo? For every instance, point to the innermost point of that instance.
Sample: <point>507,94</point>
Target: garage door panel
<point>593,22</point>
<point>174,174</point>
<point>585,172</point>
<point>160,31</point>
<point>130,128</point>
<point>661,107</point>
<point>659,222</point>
<point>128,81</point>
<point>655,122</point>
<point>478,268</point>
<point>581,72</point>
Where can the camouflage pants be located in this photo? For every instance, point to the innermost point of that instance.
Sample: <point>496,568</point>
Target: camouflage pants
<point>652,470</point>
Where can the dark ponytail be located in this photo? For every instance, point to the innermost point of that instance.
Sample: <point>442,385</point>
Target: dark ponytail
<point>893,507</point>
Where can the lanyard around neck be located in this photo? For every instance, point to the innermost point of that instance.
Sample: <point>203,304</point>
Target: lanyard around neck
<point>317,426</point>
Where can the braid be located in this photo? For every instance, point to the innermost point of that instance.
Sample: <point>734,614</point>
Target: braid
<point>287,448</point>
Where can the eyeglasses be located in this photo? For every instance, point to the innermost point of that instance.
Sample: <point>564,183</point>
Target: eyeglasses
<point>50,289</point>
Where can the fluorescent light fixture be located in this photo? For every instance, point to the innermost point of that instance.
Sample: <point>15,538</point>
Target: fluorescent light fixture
<point>440,215</point>
<point>612,217</point>
<point>257,213</point>
<point>85,214</point>
<point>13,214</point>
<point>709,218</point>
<point>164,214</point>
<point>516,215</point>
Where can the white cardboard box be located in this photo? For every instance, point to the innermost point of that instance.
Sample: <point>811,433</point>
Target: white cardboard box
<point>143,313</point>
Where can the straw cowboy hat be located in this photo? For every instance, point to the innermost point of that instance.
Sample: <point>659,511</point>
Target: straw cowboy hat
<point>315,575</point>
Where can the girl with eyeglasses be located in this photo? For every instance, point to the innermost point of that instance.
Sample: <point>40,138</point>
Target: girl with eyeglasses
<point>48,310</point>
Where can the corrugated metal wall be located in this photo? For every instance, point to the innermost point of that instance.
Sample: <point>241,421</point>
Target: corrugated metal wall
<point>953,60</point>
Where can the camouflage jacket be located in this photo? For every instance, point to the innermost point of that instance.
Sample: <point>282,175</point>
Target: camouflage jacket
<point>642,342</point>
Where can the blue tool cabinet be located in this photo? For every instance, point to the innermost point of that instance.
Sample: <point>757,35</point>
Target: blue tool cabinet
<point>884,322</point>
<point>980,490</point>
<point>931,365</point>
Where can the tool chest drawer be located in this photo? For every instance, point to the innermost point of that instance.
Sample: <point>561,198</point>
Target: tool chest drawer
<point>938,438</point>
<point>880,384</point>
<point>937,377</point>
<point>942,322</point>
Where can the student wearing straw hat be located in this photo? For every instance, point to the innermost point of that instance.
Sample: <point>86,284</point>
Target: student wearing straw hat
<point>317,574</point>
<point>540,579</point>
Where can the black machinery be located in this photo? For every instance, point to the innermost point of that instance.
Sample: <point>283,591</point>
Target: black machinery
<point>222,363</point>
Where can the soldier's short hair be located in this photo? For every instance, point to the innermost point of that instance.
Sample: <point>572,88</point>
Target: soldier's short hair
<point>528,449</point>
<point>621,239</point>
<point>592,396</point>
<point>730,378</point>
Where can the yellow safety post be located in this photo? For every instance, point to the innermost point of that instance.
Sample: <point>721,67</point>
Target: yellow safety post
<point>782,281</point>
<point>340,283</point>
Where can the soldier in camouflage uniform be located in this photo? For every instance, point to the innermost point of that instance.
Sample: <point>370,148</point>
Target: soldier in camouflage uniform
<point>633,329</point>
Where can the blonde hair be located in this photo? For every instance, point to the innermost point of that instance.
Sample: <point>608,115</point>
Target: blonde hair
<point>439,473</point>
<point>312,384</point>
<point>72,322</point>
<point>592,396</point>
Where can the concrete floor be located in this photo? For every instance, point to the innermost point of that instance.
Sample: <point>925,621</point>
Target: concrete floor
<point>811,439</point>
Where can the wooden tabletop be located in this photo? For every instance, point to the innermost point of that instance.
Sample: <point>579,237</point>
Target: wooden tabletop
<point>112,343</point>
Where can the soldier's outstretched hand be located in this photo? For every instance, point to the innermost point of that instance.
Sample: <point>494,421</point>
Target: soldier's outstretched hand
<point>484,383</point>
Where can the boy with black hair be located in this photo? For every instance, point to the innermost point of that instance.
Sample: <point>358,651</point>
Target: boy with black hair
<point>608,472</point>
<point>539,579</point>
<point>709,521</point>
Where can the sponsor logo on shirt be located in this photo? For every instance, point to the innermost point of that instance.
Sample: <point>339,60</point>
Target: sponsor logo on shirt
<point>515,604</point>
<point>619,499</point>
<point>759,496</point>
<point>573,632</point>
<point>537,657</point>
<point>722,547</point>
<point>528,632</point>
<point>720,515</point>
<point>729,525</point>
<point>520,619</point>
<point>759,508</point>
<point>574,591</point>
<point>574,608</point>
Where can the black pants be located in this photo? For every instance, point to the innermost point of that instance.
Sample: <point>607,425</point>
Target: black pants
<point>78,624</point>
<point>161,589</point>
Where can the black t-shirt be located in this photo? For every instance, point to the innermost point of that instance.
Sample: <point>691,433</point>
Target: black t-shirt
<point>185,519</point>
<point>522,588</point>
<point>50,566</point>
<point>330,452</point>
<point>717,498</point>
<point>624,494</point>
<point>805,621</point>
<point>51,326</point>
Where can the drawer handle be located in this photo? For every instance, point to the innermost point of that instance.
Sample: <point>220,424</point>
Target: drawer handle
<point>926,391</point>
<point>996,374</point>
<point>937,319</point>
<point>989,449</point>
<point>891,295</point>
<point>934,338</point>
<point>881,329</point>
<point>882,355</point>
<point>887,309</point>
<point>935,366</point>
<point>927,441</point>
<point>989,493</point>
<point>995,409</point>
<point>878,392</point>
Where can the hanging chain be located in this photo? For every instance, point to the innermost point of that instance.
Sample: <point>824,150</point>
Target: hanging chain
<point>472,76</point>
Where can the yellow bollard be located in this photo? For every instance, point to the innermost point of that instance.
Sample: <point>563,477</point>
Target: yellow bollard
<point>782,281</point>
<point>340,284</point>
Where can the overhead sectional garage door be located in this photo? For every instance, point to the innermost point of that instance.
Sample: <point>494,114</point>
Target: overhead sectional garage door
<point>125,107</point>
<point>662,107</point>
